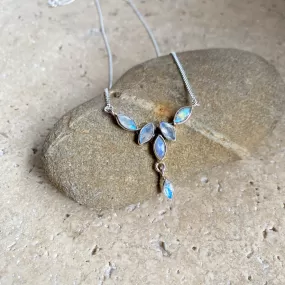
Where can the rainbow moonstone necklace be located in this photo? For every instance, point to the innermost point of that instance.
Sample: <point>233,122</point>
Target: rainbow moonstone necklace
<point>164,131</point>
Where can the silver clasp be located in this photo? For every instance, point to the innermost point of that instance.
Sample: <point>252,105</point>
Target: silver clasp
<point>109,109</point>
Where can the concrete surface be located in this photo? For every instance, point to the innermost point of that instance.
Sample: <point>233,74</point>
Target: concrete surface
<point>54,59</point>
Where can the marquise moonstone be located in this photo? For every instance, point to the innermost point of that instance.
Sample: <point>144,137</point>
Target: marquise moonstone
<point>168,131</point>
<point>182,115</point>
<point>168,189</point>
<point>146,133</point>
<point>126,123</point>
<point>159,147</point>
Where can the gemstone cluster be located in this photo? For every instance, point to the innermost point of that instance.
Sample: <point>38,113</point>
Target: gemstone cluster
<point>165,131</point>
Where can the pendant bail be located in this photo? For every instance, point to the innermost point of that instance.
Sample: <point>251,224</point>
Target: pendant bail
<point>160,168</point>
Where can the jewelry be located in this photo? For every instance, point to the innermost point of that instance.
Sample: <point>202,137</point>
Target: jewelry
<point>150,132</point>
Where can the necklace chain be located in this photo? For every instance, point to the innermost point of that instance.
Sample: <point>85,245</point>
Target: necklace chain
<point>185,80</point>
<point>147,132</point>
<point>109,108</point>
<point>151,35</point>
<point>104,35</point>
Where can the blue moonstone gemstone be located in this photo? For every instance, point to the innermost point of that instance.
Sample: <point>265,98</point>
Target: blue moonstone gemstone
<point>168,189</point>
<point>168,131</point>
<point>146,133</point>
<point>182,115</point>
<point>159,147</point>
<point>126,123</point>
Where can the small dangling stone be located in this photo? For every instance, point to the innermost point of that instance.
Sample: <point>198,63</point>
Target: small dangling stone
<point>168,189</point>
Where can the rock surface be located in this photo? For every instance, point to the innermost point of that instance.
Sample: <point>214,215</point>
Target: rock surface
<point>98,164</point>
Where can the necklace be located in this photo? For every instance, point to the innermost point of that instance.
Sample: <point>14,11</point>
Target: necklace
<point>164,131</point>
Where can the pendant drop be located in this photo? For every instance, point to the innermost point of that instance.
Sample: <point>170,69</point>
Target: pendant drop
<point>160,134</point>
<point>168,189</point>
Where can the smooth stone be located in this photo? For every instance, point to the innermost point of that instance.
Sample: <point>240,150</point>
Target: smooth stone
<point>97,163</point>
<point>146,133</point>
<point>159,147</point>
<point>168,131</point>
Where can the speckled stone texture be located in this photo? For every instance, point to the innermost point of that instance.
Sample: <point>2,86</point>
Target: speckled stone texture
<point>98,164</point>
<point>226,227</point>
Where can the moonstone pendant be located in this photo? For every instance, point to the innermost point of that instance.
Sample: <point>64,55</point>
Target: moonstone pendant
<point>148,132</point>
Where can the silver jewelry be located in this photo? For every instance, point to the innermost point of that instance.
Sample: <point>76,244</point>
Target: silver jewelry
<point>149,132</point>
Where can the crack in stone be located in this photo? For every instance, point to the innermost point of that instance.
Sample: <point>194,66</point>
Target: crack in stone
<point>218,138</point>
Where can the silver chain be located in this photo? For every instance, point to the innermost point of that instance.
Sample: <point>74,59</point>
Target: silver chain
<point>151,35</point>
<point>185,80</point>
<point>104,35</point>
<point>108,107</point>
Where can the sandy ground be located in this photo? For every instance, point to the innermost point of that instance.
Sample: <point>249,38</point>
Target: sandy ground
<point>226,229</point>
